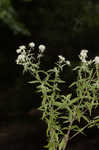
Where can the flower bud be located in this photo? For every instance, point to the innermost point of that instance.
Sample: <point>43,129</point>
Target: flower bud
<point>96,60</point>
<point>32,45</point>
<point>41,48</point>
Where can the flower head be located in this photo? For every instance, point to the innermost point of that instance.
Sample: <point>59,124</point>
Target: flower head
<point>18,51</point>
<point>96,60</point>
<point>31,44</point>
<point>22,47</point>
<point>83,55</point>
<point>61,59</point>
<point>20,59</point>
<point>41,48</point>
<point>67,62</point>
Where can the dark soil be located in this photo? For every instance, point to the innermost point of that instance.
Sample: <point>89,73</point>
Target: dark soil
<point>22,133</point>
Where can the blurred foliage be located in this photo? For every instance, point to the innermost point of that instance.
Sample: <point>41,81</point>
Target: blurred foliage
<point>89,17</point>
<point>9,16</point>
<point>58,21</point>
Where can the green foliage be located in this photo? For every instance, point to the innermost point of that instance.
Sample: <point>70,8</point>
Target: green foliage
<point>63,113</point>
<point>88,19</point>
<point>9,16</point>
<point>51,20</point>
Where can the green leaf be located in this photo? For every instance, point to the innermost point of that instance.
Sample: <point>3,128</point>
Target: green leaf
<point>74,100</point>
<point>61,145</point>
<point>33,82</point>
<point>96,117</point>
<point>79,114</point>
<point>76,68</point>
<point>59,104</point>
<point>70,115</point>
<point>89,106</point>
<point>74,83</point>
<point>75,128</point>
<point>85,118</point>
<point>61,81</point>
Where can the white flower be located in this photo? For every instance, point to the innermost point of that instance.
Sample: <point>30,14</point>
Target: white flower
<point>41,48</point>
<point>32,44</point>
<point>83,55</point>
<point>22,47</point>
<point>18,50</point>
<point>68,62</point>
<point>61,58</point>
<point>96,60</point>
<point>20,59</point>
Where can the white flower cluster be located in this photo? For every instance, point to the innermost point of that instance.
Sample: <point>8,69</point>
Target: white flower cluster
<point>96,60</point>
<point>21,59</point>
<point>62,60</point>
<point>21,48</point>
<point>83,55</point>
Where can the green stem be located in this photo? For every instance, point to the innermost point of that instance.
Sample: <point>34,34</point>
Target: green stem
<point>66,137</point>
<point>97,70</point>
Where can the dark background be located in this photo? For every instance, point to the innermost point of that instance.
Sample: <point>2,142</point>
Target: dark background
<point>65,27</point>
